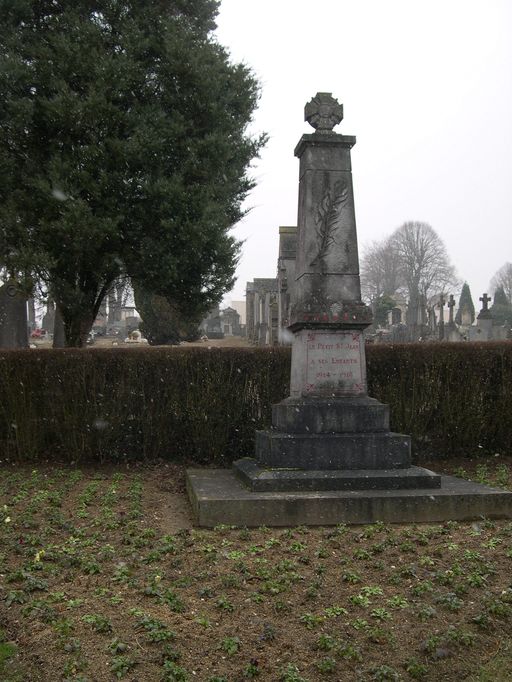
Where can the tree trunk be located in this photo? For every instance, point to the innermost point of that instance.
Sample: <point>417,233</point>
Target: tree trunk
<point>59,336</point>
<point>77,330</point>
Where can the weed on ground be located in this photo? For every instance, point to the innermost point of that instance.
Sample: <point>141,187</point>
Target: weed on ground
<point>99,584</point>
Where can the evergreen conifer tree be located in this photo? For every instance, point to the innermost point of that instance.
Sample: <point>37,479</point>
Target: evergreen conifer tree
<point>501,309</point>
<point>123,150</point>
<point>465,303</point>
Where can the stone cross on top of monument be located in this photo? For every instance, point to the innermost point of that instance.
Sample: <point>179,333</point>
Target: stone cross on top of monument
<point>485,313</point>
<point>323,112</point>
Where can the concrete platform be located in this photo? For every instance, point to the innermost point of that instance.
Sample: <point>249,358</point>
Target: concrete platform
<point>218,497</point>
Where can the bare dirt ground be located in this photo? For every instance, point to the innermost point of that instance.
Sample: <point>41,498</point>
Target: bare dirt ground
<point>104,577</point>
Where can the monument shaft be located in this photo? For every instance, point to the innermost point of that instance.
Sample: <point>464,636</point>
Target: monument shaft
<point>327,316</point>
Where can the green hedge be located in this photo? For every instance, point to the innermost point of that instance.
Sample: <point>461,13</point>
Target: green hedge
<point>204,404</point>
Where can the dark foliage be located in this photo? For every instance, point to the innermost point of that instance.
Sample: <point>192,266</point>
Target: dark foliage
<point>123,150</point>
<point>465,303</point>
<point>205,404</point>
<point>501,308</point>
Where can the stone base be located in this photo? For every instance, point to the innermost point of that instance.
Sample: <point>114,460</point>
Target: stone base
<point>284,480</point>
<point>218,497</point>
<point>374,450</point>
<point>330,415</point>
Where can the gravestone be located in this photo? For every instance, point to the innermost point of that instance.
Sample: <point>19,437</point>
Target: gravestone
<point>483,331</point>
<point>330,457</point>
<point>250,310</point>
<point>31,309</point>
<point>466,317</point>
<point>59,332</point>
<point>451,332</point>
<point>49,317</point>
<point>13,316</point>
<point>441,305</point>
<point>451,306</point>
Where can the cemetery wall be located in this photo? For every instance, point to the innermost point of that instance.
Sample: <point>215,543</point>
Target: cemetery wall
<point>203,405</point>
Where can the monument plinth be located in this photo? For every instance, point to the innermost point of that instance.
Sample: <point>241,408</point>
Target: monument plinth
<point>330,456</point>
<point>328,423</point>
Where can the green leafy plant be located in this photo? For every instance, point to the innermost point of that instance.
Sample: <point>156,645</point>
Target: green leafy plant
<point>230,645</point>
<point>99,622</point>
<point>416,669</point>
<point>291,674</point>
<point>326,665</point>
<point>172,672</point>
<point>252,669</point>
<point>121,665</point>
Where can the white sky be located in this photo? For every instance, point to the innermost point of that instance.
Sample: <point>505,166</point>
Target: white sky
<point>427,90</point>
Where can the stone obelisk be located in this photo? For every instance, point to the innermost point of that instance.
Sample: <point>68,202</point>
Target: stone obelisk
<point>328,432</point>
<point>328,316</point>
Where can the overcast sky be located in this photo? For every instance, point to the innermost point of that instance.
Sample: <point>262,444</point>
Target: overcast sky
<point>427,90</point>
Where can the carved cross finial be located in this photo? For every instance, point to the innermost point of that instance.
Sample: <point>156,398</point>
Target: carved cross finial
<point>441,301</point>
<point>323,112</point>
<point>485,302</point>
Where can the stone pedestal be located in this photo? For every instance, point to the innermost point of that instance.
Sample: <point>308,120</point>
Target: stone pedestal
<point>330,456</point>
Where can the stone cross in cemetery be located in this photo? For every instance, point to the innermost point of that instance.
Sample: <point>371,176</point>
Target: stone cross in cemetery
<point>483,331</point>
<point>485,304</point>
<point>451,306</point>
<point>441,304</point>
<point>330,457</point>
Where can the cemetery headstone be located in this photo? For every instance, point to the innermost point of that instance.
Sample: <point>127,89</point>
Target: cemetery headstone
<point>13,316</point>
<point>441,317</point>
<point>31,309</point>
<point>483,331</point>
<point>59,335</point>
<point>451,306</point>
<point>452,333</point>
<point>49,317</point>
<point>466,317</point>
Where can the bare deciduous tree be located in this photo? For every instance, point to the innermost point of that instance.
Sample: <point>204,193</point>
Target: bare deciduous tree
<point>117,298</point>
<point>503,278</point>
<point>424,265</point>
<point>380,271</point>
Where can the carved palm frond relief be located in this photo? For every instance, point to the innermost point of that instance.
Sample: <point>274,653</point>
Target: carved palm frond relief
<point>327,218</point>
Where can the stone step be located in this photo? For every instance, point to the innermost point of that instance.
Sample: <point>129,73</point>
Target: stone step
<point>336,415</point>
<point>218,497</point>
<point>274,480</point>
<point>333,450</point>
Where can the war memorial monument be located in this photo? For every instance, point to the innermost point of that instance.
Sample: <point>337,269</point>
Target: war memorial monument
<point>330,457</point>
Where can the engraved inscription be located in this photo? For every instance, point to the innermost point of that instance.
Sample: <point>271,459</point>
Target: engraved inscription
<point>334,362</point>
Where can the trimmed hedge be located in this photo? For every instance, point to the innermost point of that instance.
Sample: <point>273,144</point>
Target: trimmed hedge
<point>203,405</point>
